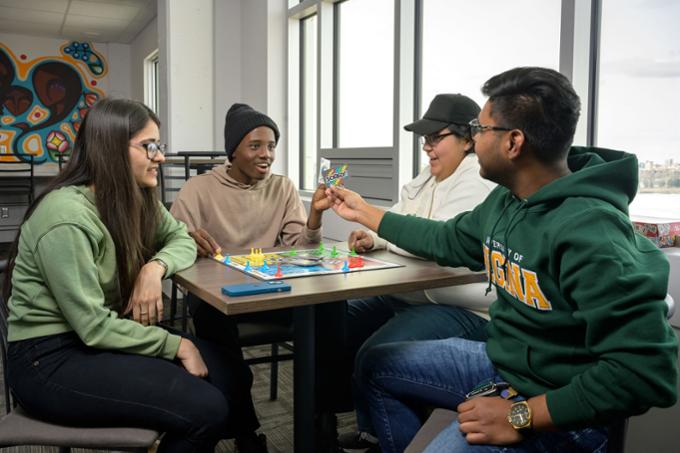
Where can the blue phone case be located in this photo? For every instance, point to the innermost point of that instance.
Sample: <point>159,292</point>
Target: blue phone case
<point>247,289</point>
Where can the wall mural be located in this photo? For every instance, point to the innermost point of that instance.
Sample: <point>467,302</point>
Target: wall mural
<point>43,101</point>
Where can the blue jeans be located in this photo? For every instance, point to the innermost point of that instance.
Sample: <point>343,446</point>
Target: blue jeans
<point>60,379</point>
<point>386,319</point>
<point>398,379</point>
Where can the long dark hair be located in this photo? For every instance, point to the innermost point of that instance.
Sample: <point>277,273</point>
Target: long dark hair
<point>101,158</point>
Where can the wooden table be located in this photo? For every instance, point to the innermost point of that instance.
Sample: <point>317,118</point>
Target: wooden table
<point>206,278</point>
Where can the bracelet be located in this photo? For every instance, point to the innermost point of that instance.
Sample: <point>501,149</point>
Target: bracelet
<point>162,263</point>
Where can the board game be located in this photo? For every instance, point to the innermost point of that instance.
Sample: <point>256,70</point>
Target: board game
<point>302,263</point>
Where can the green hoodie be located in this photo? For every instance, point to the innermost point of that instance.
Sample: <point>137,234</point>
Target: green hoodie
<point>580,314</point>
<point>65,276</point>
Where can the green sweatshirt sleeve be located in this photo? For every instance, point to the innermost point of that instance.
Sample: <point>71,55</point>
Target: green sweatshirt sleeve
<point>176,248</point>
<point>65,257</point>
<point>618,290</point>
<point>455,242</point>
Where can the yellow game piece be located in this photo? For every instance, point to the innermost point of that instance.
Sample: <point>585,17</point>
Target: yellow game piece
<point>218,257</point>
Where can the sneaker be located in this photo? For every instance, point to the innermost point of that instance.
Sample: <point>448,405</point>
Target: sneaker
<point>251,443</point>
<point>358,440</point>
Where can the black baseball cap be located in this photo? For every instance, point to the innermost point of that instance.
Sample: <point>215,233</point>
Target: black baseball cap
<point>444,110</point>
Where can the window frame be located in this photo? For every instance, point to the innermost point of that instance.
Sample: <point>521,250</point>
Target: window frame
<point>152,81</point>
<point>579,59</point>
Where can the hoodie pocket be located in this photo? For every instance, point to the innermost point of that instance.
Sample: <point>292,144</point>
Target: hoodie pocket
<point>536,371</point>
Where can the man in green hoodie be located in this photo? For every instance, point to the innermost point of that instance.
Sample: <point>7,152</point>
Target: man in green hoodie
<point>578,336</point>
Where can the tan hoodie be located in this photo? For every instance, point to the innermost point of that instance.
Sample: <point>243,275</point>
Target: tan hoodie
<point>265,214</point>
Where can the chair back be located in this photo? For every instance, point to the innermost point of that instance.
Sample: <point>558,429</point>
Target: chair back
<point>4,313</point>
<point>17,177</point>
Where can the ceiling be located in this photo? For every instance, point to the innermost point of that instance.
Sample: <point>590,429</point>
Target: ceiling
<point>90,20</point>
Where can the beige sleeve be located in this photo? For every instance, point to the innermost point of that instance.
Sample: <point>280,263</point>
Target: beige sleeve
<point>185,208</point>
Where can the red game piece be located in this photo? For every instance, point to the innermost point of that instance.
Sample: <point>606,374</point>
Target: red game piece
<point>278,274</point>
<point>356,261</point>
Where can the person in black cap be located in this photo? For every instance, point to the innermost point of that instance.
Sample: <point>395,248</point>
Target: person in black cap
<point>449,185</point>
<point>242,205</point>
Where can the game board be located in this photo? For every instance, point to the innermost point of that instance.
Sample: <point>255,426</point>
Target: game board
<point>302,263</point>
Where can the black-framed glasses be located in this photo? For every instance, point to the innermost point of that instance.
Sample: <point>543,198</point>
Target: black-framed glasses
<point>476,128</point>
<point>433,140</point>
<point>151,148</point>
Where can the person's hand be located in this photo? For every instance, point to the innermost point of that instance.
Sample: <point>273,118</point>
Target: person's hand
<point>146,301</point>
<point>320,201</point>
<point>360,241</point>
<point>484,420</point>
<point>350,206</point>
<point>191,358</point>
<point>346,204</point>
<point>207,246</point>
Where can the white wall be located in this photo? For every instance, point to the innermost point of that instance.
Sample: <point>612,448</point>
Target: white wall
<point>187,88</point>
<point>120,77</point>
<point>227,58</point>
<point>250,63</point>
<point>141,47</point>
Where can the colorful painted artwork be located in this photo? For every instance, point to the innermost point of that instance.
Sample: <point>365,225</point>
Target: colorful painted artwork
<point>43,101</point>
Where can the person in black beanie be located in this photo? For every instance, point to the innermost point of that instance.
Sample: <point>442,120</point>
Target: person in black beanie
<point>241,205</point>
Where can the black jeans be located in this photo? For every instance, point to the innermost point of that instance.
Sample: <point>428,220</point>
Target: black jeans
<point>60,379</point>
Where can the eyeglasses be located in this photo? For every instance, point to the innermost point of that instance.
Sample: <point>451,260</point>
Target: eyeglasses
<point>151,148</point>
<point>476,128</point>
<point>433,140</point>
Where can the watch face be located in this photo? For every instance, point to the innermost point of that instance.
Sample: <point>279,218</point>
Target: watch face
<point>519,415</point>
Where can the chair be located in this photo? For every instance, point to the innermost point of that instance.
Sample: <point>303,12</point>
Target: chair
<point>62,160</point>
<point>18,428</point>
<point>201,161</point>
<point>17,178</point>
<point>441,418</point>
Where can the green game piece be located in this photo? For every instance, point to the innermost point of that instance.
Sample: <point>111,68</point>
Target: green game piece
<point>353,252</point>
<point>334,252</point>
<point>321,248</point>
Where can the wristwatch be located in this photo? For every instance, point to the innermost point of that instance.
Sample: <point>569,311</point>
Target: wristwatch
<point>520,416</point>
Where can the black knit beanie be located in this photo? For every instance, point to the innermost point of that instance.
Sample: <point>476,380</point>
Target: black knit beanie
<point>241,119</point>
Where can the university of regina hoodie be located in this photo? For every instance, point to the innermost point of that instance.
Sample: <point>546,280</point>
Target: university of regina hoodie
<point>580,314</point>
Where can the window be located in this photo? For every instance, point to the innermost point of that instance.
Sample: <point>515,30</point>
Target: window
<point>638,95</point>
<point>362,69</point>
<point>365,68</point>
<point>464,44</point>
<point>151,86</point>
<point>308,102</point>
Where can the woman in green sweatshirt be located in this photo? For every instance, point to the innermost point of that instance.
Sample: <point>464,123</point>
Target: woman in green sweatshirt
<point>93,249</point>
<point>578,331</point>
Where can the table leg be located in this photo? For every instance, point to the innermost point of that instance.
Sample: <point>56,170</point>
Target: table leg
<point>303,379</point>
